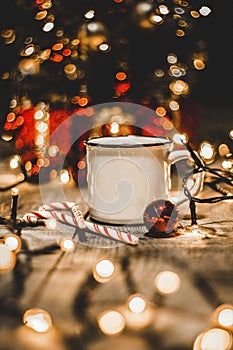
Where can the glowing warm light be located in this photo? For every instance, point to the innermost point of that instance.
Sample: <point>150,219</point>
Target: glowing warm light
<point>53,174</point>
<point>14,162</point>
<point>104,268</point>
<point>12,242</point>
<point>81,164</point>
<point>28,165</point>
<point>89,14</point>
<point>159,73</point>
<point>41,126</point>
<point>167,124</point>
<point>225,317</point>
<point>37,319</point>
<point>40,15</point>
<point>156,19</point>
<point>51,223</point>
<point>207,151</point>
<point>56,58</point>
<point>179,87</point>
<point>223,150</point>
<point>160,111</point>
<point>167,282</point>
<point>199,64</point>
<point>14,191</point>
<point>70,68</point>
<point>175,71</point>
<point>121,76</point>
<point>227,164</point>
<point>115,128</point>
<point>66,244</point>
<point>29,66</point>
<point>163,9</point>
<point>10,117</point>
<point>39,114</point>
<point>29,50</point>
<point>104,47</point>
<point>7,138</point>
<point>174,106</point>
<point>136,304</point>
<point>205,10</point>
<point>57,47</point>
<point>179,10</point>
<point>171,58</point>
<point>83,101</point>
<point>64,176</point>
<point>231,134</point>
<point>48,26</point>
<point>180,138</point>
<point>215,339</point>
<point>7,258</point>
<point>53,151</point>
<point>197,342</point>
<point>180,32</point>
<point>195,14</point>
<point>111,322</point>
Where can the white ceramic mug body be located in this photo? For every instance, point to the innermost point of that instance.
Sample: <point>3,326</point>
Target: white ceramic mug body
<point>124,174</point>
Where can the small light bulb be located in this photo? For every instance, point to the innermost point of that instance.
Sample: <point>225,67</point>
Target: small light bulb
<point>14,162</point>
<point>180,138</point>
<point>115,128</point>
<point>14,191</point>
<point>215,339</point>
<point>90,14</point>
<point>12,242</point>
<point>111,322</point>
<point>103,270</point>
<point>167,282</point>
<point>136,304</point>
<point>64,177</point>
<point>37,319</point>
<point>7,258</point>
<point>51,224</point>
<point>207,152</point>
<point>67,244</point>
<point>223,316</point>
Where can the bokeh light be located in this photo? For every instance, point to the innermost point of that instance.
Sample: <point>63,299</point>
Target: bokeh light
<point>37,319</point>
<point>167,282</point>
<point>111,322</point>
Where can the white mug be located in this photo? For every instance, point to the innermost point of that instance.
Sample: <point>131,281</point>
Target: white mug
<point>126,173</point>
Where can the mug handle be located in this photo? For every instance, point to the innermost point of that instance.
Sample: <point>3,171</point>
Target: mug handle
<point>197,183</point>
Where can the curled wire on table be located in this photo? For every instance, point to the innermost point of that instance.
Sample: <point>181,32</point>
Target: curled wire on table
<point>219,174</point>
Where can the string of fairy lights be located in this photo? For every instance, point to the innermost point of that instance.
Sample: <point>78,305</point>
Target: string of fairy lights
<point>137,312</point>
<point>66,53</point>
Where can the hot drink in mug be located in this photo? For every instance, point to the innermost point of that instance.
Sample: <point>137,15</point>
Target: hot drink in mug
<point>126,173</point>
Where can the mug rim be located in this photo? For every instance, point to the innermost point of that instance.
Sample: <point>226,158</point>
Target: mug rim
<point>92,142</point>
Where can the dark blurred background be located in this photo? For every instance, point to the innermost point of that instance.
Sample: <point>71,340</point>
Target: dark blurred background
<point>136,47</point>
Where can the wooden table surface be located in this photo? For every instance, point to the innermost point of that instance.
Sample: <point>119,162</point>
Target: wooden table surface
<point>63,284</point>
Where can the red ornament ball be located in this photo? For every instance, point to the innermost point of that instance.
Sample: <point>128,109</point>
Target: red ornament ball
<point>161,217</point>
